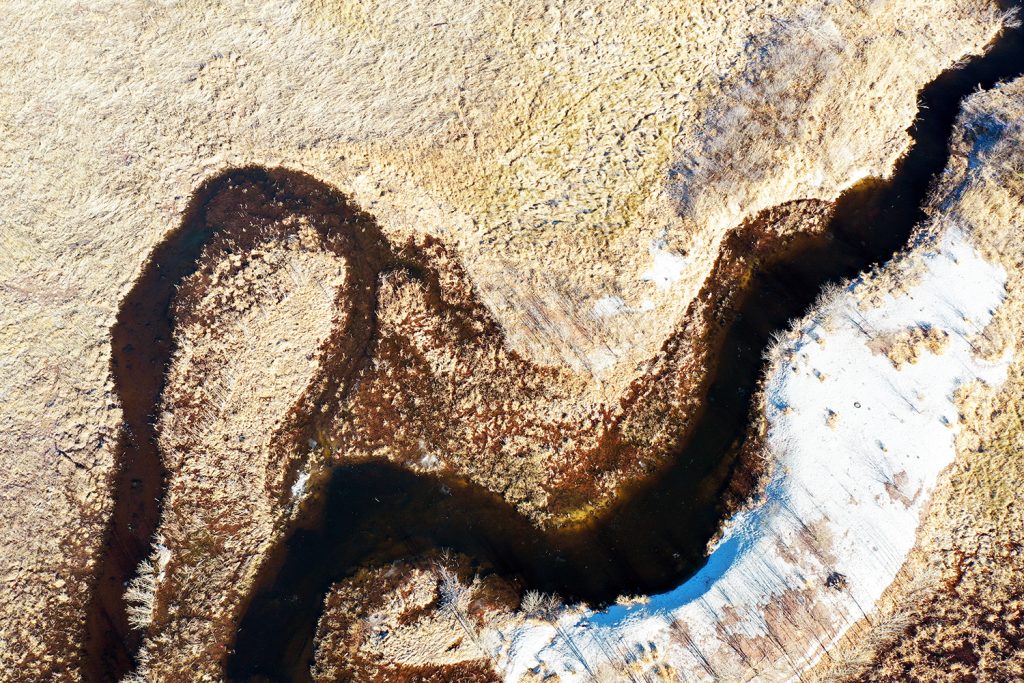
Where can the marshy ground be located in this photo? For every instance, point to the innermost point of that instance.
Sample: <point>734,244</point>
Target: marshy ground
<point>543,305</point>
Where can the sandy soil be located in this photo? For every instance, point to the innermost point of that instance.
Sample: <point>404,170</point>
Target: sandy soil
<point>583,163</point>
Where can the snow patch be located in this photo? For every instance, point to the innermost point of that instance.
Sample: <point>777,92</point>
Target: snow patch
<point>607,306</point>
<point>667,266</point>
<point>299,487</point>
<point>430,462</point>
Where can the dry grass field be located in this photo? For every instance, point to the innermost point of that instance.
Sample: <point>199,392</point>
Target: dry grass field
<point>577,180</point>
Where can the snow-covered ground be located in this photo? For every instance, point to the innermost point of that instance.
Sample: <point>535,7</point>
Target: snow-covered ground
<point>858,441</point>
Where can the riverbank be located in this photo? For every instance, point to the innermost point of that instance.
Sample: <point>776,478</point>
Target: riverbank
<point>868,224</point>
<point>954,608</point>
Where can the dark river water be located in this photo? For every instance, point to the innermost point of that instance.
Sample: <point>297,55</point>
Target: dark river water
<point>650,541</point>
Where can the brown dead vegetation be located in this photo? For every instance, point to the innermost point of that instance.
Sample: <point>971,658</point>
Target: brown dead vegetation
<point>444,394</point>
<point>413,370</point>
<point>906,346</point>
<point>960,617</point>
<point>412,621</point>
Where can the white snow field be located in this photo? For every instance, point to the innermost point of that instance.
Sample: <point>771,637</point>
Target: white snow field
<point>858,444</point>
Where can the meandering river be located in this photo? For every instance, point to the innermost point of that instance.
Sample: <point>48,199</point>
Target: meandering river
<point>651,541</point>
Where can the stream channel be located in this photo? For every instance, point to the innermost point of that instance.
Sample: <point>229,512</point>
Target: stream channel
<point>652,539</point>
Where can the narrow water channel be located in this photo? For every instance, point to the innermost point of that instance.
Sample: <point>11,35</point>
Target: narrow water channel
<point>374,513</point>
